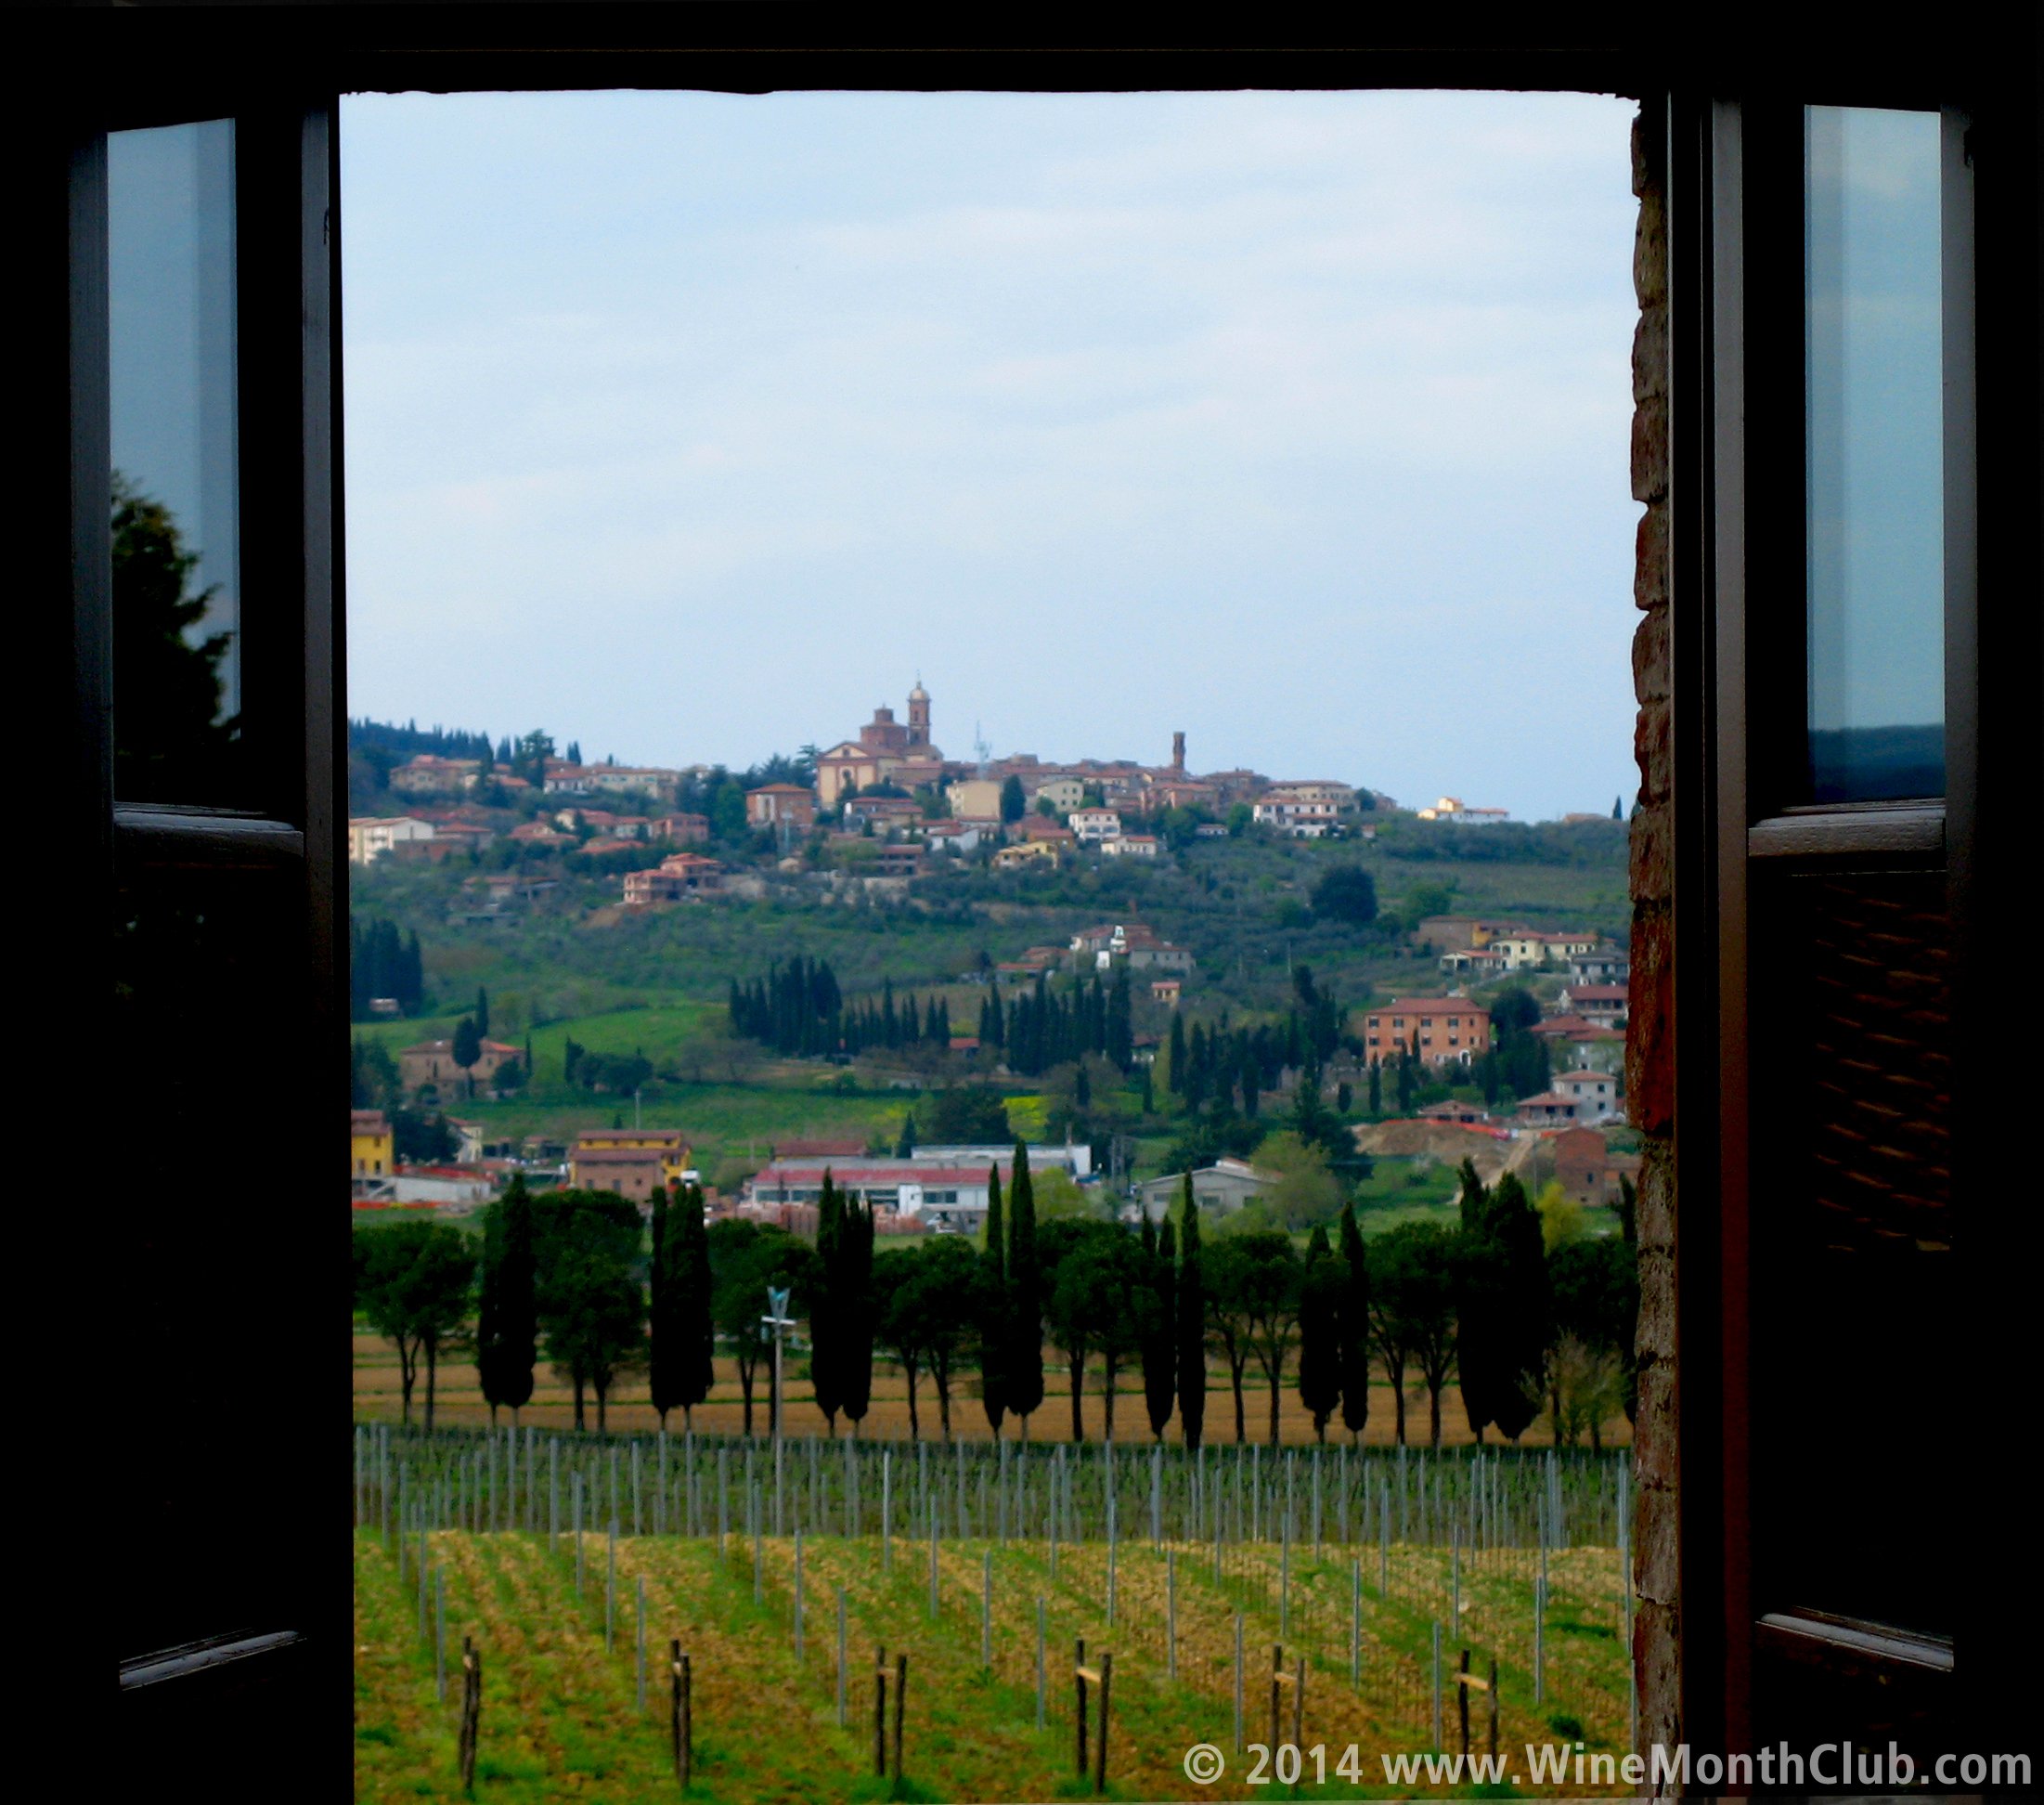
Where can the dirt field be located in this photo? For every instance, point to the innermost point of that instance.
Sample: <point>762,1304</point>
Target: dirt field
<point>459,1403</point>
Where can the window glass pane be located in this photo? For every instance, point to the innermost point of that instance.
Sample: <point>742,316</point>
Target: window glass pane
<point>1873,319</point>
<point>176,529</point>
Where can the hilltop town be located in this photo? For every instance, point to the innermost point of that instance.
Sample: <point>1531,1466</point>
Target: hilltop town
<point>587,972</point>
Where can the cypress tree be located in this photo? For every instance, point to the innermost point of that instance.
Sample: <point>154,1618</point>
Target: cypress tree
<point>905,1147</point>
<point>1120,1033</point>
<point>1528,1321</point>
<point>668,1355</point>
<point>507,1329</point>
<point>1178,1054</point>
<point>1355,1326</point>
<point>482,1010</point>
<point>1022,1375</point>
<point>1319,1335</point>
<point>1376,1088</point>
<point>855,1323</point>
<point>689,1236</point>
<point>995,1331</point>
<point>1407,1085</point>
<point>1159,1324</point>
<point>827,1310</point>
<point>1191,1302</point>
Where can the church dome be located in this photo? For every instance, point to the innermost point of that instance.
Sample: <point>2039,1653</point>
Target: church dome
<point>919,694</point>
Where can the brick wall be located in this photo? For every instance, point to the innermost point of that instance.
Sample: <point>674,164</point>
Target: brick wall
<point>1650,1050</point>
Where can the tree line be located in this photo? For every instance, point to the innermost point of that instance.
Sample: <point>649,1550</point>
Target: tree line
<point>384,962</point>
<point>1522,1326</point>
<point>799,1011</point>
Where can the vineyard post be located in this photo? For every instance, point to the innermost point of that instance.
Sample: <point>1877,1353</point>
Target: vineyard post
<point>660,1488</point>
<point>841,1717</point>
<point>1156,1496</point>
<point>404,1518</point>
<point>609,1590</point>
<point>1298,1705</point>
<point>613,1482</point>
<point>1107,1698</point>
<point>359,1494</point>
<point>1001,1494</point>
<point>471,1710</point>
<point>641,1645</point>
<point>575,1488</point>
<point>1384,1541</point>
<point>440,1632</point>
<point>1040,1664</point>
<point>1277,1683</point>
<point>1110,1567</point>
<point>880,1711</point>
<point>887,1509</point>
<point>384,1436</point>
<point>756,1506</point>
<point>986,1608</point>
<point>1238,1683</point>
<point>1216,1534</point>
<point>1355,1623</point>
<point>933,1555</point>
<point>1454,1568</point>
<point>684,1715</point>
<point>1493,1708</point>
<point>799,1597</point>
<point>424,1571</point>
<point>1316,1503</point>
<point>901,1699</point>
<point>1540,1616</point>
<point>1079,1715</point>
<point>553,1496</point>
<point>1171,1614</point>
<point>1285,1578</point>
<point>1462,1702</point>
<point>723,1500</point>
<point>1437,1685</point>
<point>637,1527</point>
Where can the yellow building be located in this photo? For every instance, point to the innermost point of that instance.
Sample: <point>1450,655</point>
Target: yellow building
<point>1012,858</point>
<point>630,1161</point>
<point>371,1156</point>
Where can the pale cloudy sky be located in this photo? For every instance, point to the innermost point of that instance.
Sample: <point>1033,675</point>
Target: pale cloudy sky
<point>693,426</point>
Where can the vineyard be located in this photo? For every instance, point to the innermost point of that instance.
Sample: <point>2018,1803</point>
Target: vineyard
<point>578,1567</point>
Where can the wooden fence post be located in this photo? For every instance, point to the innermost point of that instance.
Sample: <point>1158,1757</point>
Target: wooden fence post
<point>1100,1748</point>
<point>1079,1716</point>
<point>471,1710</point>
<point>900,1697</point>
<point>880,1711</point>
<point>1298,1705</point>
<point>1462,1701</point>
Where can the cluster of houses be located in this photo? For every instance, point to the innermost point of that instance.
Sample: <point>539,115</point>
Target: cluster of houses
<point>1093,804</point>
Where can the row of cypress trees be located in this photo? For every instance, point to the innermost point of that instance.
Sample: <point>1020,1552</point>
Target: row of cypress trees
<point>1042,1027</point>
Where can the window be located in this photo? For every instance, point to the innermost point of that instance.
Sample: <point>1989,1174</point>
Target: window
<point>266,871</point>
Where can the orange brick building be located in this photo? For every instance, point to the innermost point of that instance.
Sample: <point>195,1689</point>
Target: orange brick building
<point>1448,1027</point>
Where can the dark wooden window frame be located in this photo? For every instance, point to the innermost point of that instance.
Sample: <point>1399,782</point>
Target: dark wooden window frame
<point>110,68</point>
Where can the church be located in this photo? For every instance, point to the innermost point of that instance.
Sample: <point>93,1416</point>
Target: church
<point>887,751</point>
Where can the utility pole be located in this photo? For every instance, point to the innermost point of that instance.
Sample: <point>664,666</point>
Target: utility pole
<point>777,1319</point>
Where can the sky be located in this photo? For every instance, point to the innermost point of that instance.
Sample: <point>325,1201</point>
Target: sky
<point>693,427</point>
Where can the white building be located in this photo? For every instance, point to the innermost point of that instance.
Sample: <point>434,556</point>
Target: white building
<point>946,1198</point>
<point>1094,824</point>
<point>1076,1159</point>
<point>1453,810</point>
<point>369,837</point>
<point>1595,1093</point>
<point>1131,846</point>
<point>1225,1186</point>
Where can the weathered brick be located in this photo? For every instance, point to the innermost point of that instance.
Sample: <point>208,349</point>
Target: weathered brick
<point>1650,453</point>
<point>1653,833</point>
<point>1651,655</point>
<point>1654,1227</point>
<point>1649,1044</point>
<point>1650,352</point>
<point>1651,557</point>
<point>1656,1454</point>
<point>1655,1332</point>
<point>1654,751</point>
<point>1658,1568</point>
<point>1651,250</point>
